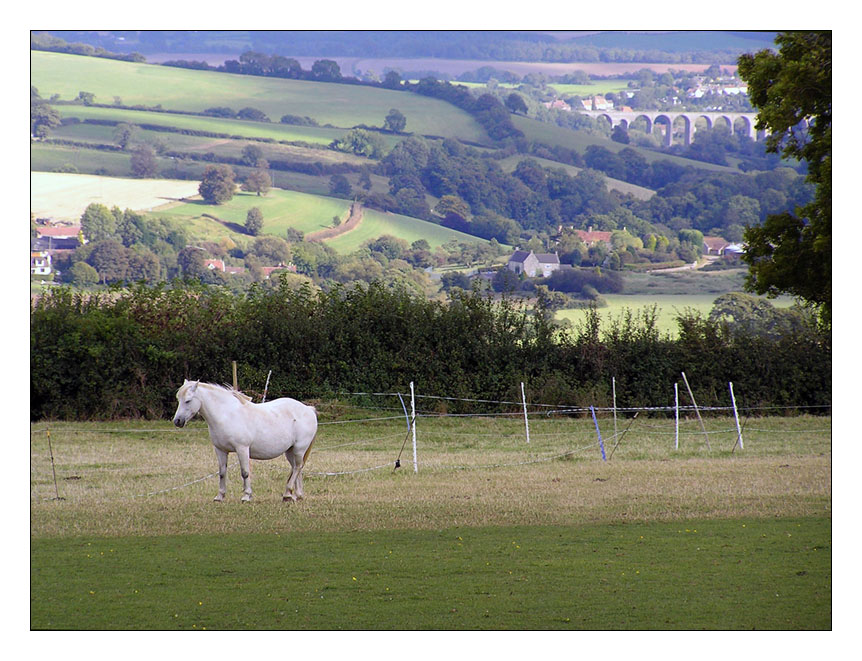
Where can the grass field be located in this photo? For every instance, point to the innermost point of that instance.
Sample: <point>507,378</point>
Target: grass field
<point>377,223</point>
<point>187,90</point>
<point>308,213</point>
<point>668,307</point>
<point>232,127</point>
<point>489,534</point>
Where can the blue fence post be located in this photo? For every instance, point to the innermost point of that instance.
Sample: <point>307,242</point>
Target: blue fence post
<point>601,445</point>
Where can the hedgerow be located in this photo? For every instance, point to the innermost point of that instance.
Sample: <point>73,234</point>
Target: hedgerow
<point>124,353</point>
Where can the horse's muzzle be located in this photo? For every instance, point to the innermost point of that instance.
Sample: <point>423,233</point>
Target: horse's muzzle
<point>179,422</point>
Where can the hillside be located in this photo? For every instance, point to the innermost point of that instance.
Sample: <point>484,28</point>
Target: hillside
<point>441,177</point>
<point>339,105</point>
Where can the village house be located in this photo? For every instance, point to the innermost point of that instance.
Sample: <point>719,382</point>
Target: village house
<point>50,241</point>
<point>40,262</point>
<point>597,103</point>
<point>591,238</point>
<point>531,264</point>
<point>714,245</point>
<point>558,104</point>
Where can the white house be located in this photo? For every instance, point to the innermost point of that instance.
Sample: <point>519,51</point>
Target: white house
<point>532,265</point>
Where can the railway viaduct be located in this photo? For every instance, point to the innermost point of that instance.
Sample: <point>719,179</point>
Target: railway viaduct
<point>737,122</point>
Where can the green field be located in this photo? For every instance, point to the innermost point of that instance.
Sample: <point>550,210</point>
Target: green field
<point>489,534</point>
<point>342,106</point>
<point>281,209</point>
<point>668,307</point>
<point>231,127</point>
<point>308,213</point>
<point>376,223</point>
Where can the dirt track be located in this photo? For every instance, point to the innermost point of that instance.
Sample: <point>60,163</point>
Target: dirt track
<point>351,223</point>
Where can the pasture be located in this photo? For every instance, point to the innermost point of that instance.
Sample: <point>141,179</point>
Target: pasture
<point>232,127</point>
<point>668,307</point>
<point>342,106</point>
<point>489,533</point>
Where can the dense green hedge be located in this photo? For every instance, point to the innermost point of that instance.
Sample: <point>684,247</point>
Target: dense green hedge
<point>124,353</point>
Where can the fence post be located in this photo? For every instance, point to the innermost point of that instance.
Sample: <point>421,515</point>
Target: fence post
<point>676,409</point>
<point>526,421</point>
<point>736,417</point>
<point>599,434</point>
<point>266,386</point>
<point>235,383</point>
<point>697,411</point>
<point>614,387</point>
<point>413,417</point>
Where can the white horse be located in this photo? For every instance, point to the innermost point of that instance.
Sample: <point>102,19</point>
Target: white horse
<point>253,431</point>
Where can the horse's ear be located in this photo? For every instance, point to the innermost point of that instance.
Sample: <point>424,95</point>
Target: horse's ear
<point>194,386</point>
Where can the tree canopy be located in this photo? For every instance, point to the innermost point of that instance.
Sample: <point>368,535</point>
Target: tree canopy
<point>792,91</point>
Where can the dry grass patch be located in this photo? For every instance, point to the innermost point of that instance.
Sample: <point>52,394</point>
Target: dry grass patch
<point>149,479</point>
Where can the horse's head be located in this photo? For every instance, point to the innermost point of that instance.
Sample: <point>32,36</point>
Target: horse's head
<point>189,403</point>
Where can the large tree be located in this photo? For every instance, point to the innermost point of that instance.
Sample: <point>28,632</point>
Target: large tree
<point>218,184</point>
<point>792,91</point>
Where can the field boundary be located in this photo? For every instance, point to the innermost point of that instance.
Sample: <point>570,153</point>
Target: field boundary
<point>351,223</point>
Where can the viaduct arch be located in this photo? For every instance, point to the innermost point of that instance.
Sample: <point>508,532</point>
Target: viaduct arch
<point>732,120</point>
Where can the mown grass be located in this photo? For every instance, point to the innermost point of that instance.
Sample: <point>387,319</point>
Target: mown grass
<point>729,575</point>
<point>490,533</point>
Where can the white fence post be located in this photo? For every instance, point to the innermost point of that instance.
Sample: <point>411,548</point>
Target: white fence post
<point>697,411</point>
<point>413,414</point>
<point>614,387</point>
<point>736,417</point>
<point>526,421</point>
<point>676,409</point>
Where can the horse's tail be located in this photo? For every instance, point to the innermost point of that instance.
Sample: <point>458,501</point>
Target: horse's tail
<point>308,449</point>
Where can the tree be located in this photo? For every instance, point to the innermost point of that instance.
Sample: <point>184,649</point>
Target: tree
<point>362,143</point>
<point>43,117</point>
<point>252,155</point>
<point>271,249</point>
<point>143,162</point>
<point>218,184</point>
<point>254,221</point>
<point>125,134</point>
<point>110,259</point>
<point>392,80</point>
<point>339,186</point>
<point>252,114</point>
<point>792,91</point>
<point>395,121</point>
<point>258,181</point>
<point>98,223</point>
<point>515,103</point>
<point>83,274</point>
<point>326,70</point>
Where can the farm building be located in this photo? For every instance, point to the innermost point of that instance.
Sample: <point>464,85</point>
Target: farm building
<point>592,238</point>
<point>532,264</point>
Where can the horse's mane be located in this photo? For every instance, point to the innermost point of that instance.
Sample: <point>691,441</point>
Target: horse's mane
<point>242,397</point>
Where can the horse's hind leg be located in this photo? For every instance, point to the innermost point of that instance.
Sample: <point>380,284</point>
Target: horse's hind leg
<point>288,495</point>
<point>245,470</point>
<point>222,475</point>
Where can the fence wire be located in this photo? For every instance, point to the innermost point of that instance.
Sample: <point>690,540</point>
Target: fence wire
<point>170,460</point>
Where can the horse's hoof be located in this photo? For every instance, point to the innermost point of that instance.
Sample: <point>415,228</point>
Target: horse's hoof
<point>287,499</point>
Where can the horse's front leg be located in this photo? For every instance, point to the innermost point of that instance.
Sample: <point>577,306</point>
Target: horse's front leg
<point>222,475</point>
<point>245,471</point>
